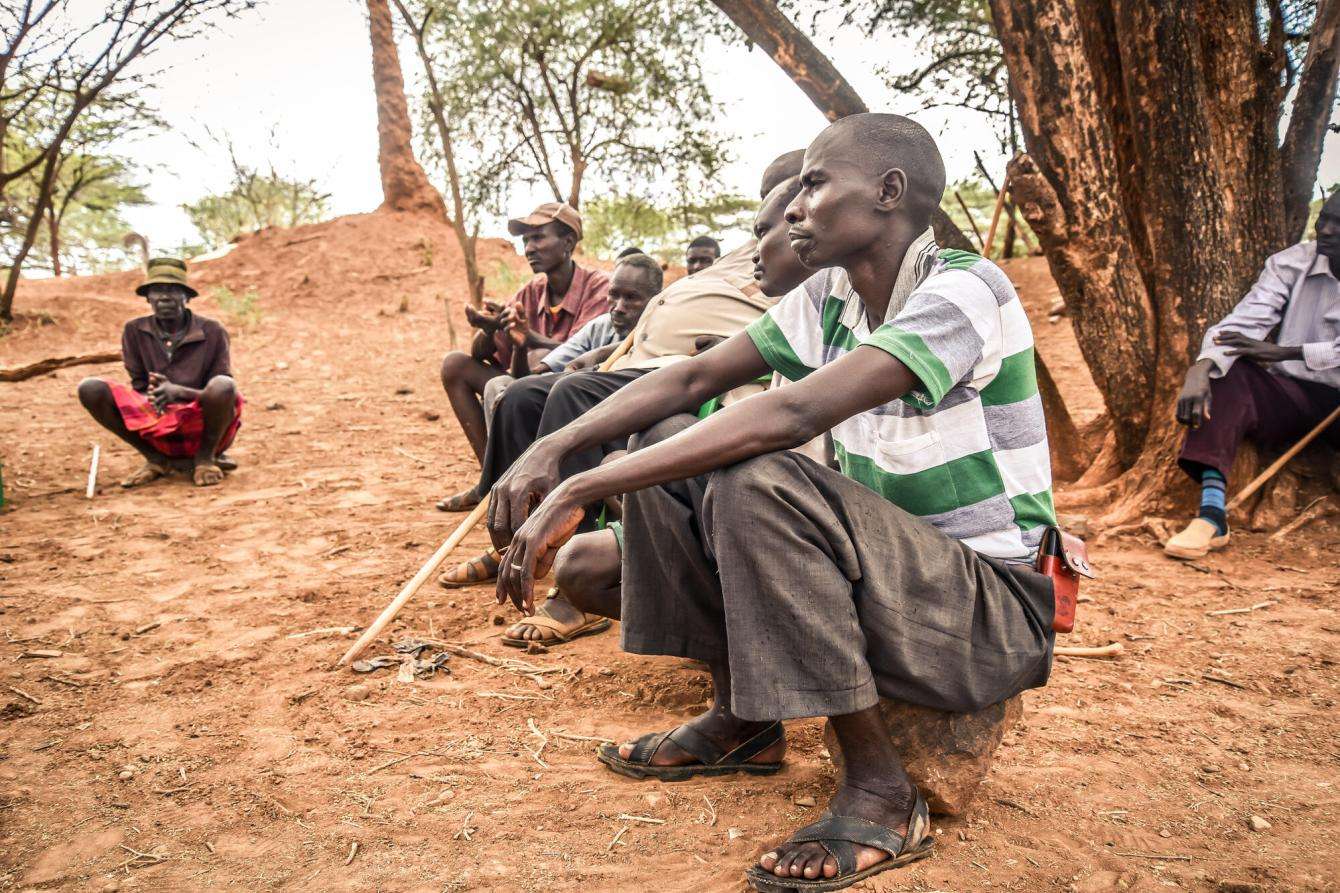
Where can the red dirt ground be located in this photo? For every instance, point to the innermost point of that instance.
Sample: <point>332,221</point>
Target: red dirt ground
<point>188,718</point>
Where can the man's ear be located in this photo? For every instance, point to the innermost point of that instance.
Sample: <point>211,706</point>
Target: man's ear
<point>892,189</point>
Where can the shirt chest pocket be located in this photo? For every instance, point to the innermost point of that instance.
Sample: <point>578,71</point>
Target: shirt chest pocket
<point>908,455</point>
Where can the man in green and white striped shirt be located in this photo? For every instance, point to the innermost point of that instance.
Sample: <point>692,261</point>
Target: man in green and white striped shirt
<point>810,591</point>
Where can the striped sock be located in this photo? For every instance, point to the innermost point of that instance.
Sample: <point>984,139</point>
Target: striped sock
<point>1213,489</point>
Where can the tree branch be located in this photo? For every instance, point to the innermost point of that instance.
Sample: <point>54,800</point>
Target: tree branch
<point>1301,152</point>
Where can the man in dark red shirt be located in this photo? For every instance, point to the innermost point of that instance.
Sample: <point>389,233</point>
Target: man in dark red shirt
<point>549,308</point>
<point>182,405</point>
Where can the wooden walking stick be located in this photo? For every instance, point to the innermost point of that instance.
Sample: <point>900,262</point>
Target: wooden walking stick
<point>1279,463</point>
<point>448,546</point>
<point>93,472</point>
<point>995,217</point>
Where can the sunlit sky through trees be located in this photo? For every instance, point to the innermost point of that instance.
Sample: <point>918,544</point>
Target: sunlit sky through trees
<point>299,72</point>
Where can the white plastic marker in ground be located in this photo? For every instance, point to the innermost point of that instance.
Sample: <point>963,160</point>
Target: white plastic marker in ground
<point>92,472</point>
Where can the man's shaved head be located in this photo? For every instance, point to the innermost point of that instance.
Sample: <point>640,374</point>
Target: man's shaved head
<point>881,142</point>
<point>783,167</point>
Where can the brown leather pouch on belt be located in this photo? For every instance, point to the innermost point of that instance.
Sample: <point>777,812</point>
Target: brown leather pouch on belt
<point>1064,558</point>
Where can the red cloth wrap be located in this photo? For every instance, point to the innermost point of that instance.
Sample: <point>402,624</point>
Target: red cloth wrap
<point>178,431</point>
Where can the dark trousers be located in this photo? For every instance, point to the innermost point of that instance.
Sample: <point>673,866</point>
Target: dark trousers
<point>541,404</point>
<point>821,594</point>
<point>1273,410</point>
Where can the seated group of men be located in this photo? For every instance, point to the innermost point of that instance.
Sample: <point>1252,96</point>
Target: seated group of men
<point>900,563</point>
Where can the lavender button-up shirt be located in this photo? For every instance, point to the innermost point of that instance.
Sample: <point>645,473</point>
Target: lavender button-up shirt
<point>1298,285</point>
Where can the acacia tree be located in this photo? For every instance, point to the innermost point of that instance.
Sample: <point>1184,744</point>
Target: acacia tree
<point>549,91</point>
<point>1157,184</point>
<point>55,63</point>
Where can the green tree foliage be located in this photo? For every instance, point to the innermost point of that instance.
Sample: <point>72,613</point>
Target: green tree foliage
<point>554,92</point>
<point>258,198</point>
<point>617,220</point>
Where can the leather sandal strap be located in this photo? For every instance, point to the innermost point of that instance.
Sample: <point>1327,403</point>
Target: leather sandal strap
<point>645,747</point>
<point>697,745</point>
<point>754,746</point>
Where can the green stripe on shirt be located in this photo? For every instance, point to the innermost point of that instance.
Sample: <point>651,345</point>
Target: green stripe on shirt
<point>776,350</point>
<point>925,365</point>
<point>1017,380</point>
<point>933,491</point>
<point>1033,509</point>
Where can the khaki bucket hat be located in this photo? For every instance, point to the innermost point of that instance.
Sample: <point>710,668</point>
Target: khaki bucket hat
<point>547,213</point>
<point>166,271</point>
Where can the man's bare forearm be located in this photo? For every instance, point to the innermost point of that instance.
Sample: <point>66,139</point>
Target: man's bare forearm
<point>661,393</point>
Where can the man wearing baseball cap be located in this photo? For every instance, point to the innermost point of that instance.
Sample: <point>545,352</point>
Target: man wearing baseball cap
<point>182,409</point>
<point>540,316</point>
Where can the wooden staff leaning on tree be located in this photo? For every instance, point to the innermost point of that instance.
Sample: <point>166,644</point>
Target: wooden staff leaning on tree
<point>810,591</point>
<point>1270,371</point>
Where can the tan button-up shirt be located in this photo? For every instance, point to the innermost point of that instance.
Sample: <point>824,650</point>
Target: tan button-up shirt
<point>720,300</point>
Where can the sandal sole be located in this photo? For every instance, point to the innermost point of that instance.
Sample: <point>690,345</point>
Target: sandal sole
<point>766,882</point>
<point>682,773</point>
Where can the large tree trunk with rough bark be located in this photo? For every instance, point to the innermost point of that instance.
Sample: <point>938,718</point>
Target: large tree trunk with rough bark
<point>816,76</point>
<point>1157,185</point>
<point>405,186</point>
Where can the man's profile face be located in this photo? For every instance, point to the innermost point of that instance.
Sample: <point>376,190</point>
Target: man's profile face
<point>1328,228</point>
<point>700,257</point>
<point>168,302</point>
<point>629,294</point>
<point>777,269</point>
<point>834,214</point>
<point>547,247</point>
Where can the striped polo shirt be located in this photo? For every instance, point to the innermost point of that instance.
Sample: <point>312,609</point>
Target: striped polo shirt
<point>966,450</point>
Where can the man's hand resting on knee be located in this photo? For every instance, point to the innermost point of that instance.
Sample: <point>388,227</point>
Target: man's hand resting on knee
<point>1193,403</point>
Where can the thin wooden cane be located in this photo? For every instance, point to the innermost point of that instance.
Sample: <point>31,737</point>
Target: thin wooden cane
<point>448,546</point>
<point>410,588</point>
<point>995,217</point>
<point>1279,463</point>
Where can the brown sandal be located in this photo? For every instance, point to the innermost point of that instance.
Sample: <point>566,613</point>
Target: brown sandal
<point>481,569</point>
<point>555,632</point>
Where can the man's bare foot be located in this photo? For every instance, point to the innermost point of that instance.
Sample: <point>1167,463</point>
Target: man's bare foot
<point>207,473</point>
<point>723,729</point>
<point>225,462</point>
<point>151,471</point>
<point>891,809</point>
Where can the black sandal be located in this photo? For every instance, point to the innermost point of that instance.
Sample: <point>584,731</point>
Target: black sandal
<point>712,760</point>
<point>840,835</point>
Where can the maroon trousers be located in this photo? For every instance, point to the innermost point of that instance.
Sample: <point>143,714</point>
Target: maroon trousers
<point>1273,410</point>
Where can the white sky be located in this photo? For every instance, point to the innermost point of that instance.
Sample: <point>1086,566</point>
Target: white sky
<point>303,69</point>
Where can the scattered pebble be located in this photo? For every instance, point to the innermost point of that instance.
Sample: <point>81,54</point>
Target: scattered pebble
<point>357,692</point>
<point>1256,823</point>
<point>1209,768</point>
<point>803,800</point>
<point>536,648</point>
<point>431,416</point>
<point>125,775</point>
<point>1245,767</point>
<point>733,833</point>
<point>1165,833</point>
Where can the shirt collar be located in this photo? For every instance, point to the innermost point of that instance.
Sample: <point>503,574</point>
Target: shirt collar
<point>572,299</point>
<point>194,330</point>
<point>1321,264</point>
<point>915,268</point>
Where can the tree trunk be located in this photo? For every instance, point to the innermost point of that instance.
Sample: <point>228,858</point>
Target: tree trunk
<point>1303,142</point>
<point>53,235</point>
<point>766,25</point>
<point>1153,182</point>
<point>405,186</point>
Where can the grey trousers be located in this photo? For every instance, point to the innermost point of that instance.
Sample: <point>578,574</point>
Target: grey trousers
<point>822,595</point>
<point>494,389</point>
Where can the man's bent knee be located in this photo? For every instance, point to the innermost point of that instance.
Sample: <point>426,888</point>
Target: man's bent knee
<point>455,364</point>
<point>93,392</point>
<point>588,560</point>
<point>219,389</point>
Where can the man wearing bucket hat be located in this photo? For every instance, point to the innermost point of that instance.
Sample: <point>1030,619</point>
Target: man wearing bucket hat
<point>182,409</point>
<point>545,312</point>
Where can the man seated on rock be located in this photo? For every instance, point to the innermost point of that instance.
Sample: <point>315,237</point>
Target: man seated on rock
<point>1270,371</point>
<point>587,570</point>
<point>556,303</point>
<point>182,409</point>
<point>810,591</point>
<point>701,254</point>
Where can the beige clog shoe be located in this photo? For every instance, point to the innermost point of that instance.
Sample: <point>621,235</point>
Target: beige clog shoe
<point>1198,539</point>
